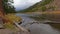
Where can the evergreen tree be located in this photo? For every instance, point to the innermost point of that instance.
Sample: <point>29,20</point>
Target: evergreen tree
<point>9,8</point>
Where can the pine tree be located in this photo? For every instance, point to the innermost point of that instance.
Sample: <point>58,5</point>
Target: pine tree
<point>8,7</point>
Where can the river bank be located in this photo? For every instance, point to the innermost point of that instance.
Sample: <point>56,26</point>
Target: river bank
<point>36,27</point>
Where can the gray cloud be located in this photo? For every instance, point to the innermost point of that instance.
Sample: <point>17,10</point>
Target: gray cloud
<point>22,4</point>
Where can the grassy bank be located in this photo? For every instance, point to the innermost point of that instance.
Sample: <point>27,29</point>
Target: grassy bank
<point>53,16</point>
<point>9,20</point>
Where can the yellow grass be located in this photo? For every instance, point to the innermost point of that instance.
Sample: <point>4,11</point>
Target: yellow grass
<point>9,19</point>
<point>52,12</point>
<point>12,17</point>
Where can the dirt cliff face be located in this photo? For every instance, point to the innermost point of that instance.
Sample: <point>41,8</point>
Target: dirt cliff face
<point>55,3</point>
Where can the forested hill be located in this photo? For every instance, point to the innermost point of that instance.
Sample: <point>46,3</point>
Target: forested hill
<point>44,5</point>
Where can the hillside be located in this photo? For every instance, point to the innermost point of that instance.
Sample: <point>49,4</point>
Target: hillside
<point>50,9</point>
<point>44,5</point>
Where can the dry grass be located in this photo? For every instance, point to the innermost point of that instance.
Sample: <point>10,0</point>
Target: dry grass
<point>50,15</point>
<point>9,20</point>
<point>54,15</point>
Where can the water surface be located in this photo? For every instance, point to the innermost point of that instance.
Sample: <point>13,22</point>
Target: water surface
<point>38,28</point>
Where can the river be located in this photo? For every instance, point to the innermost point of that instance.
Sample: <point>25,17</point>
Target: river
<point>37,28</point>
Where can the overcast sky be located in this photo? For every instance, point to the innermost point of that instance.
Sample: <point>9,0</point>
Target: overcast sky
<point>22,4</point>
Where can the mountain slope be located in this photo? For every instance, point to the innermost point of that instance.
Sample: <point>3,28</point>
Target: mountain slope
<point>41,6</point>
<point>44,5</point>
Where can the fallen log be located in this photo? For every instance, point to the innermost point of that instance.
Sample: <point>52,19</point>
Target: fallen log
<point>22,30</point>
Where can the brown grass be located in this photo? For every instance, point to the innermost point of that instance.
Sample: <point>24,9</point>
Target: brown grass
<point>53,15</point>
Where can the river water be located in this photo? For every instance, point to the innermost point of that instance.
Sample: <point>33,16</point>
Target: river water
<point>37,28</point>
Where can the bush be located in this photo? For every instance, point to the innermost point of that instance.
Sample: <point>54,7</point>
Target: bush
<point>44,2</point>
<point>43,8</point>
<point>52,7</point>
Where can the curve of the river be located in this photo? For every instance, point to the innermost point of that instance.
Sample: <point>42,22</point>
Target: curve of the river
<point>36,28</point>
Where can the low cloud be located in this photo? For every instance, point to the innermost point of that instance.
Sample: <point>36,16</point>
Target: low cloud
<point>22,4</point>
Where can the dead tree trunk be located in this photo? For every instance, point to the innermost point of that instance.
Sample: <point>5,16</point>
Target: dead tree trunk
<point>1,8</point>
<point>1,13</point>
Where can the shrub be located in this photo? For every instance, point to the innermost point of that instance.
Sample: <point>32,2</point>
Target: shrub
<point>52,7</point>
<point>43,8</point>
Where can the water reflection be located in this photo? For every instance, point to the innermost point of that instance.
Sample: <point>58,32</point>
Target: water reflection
<point>56,26</point>
<point>43,29</point>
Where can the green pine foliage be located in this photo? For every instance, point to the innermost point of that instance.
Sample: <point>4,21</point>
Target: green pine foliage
<point>8,7</point>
